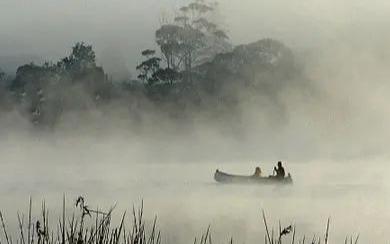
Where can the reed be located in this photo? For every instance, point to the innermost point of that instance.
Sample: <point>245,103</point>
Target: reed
<point>93,226</point>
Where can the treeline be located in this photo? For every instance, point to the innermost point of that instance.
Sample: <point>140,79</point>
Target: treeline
<point>194,68</point>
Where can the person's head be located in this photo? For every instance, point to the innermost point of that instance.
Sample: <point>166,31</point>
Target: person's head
<point>257,170</point>
<point>280,164</point>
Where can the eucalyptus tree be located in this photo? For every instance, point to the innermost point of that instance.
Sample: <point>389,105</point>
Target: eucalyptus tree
<point>192,38</point>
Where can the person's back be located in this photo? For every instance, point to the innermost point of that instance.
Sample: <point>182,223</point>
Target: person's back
<point>280,173</point>
<point>257,172</point>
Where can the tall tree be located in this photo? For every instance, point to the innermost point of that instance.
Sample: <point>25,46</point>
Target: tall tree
<point>192,38</point>
<point>82,57</point>
<point>168,38</point>
<point>151,73</point>
<point>149,67</point>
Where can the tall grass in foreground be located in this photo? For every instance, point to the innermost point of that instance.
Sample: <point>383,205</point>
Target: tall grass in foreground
<point>101,230</point>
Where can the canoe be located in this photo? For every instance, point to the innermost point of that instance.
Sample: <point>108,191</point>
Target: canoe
<point>222,177</point>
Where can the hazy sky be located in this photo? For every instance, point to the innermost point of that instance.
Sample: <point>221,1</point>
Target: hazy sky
<point>119,29</point>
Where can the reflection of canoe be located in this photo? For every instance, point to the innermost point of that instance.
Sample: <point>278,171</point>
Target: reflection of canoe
<point>222,177</point>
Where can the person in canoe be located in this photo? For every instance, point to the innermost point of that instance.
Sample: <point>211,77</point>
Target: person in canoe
<point>280,173</point>
<point>257,172</point>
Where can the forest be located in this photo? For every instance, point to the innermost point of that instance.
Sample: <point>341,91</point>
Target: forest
<point>193,69</point>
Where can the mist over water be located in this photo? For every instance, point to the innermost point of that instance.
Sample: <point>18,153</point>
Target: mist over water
<point>184,195</point>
